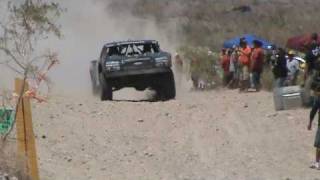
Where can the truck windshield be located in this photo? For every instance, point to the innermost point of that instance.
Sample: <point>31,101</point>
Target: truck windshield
<point>133,49</point>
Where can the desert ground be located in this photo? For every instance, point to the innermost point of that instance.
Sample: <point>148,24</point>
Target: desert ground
<point>210,135</point>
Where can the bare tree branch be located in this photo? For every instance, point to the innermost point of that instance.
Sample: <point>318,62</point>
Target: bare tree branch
<point>14,69</point>
<point>9,53</point>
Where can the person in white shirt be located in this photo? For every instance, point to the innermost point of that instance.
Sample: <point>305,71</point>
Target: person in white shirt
<point>293,69</point>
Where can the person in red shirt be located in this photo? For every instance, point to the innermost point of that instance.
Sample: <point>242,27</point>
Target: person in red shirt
<point>257,60</point>
<point>222,54</point>
<point>244,60</point>
<point>225,63</point>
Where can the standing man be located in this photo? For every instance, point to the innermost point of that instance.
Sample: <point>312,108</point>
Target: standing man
<point>257,60</point>
<point>225,64</point>
<point>293,68</point>
<point>280,70</point>
<point>244,59</point>
<point>234,68</point>
<point>312,56</point>
<point>315,109</point>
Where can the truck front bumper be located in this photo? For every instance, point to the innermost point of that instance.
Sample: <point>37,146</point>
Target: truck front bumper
<point>120,73</point>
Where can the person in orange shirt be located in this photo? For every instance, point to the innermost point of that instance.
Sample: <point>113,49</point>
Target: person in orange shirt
<point>244,60</point>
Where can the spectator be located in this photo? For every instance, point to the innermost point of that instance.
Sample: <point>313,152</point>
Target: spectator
<point>233,68</point>
<point>257,60</point>
<point>222,54</point>
<point>244,60</point>
<point>270,55</point>
<point>280,70</point>
<point>312,56</point>
<point>315,109</point>
<point>226,68</point>
<point>293,69</point>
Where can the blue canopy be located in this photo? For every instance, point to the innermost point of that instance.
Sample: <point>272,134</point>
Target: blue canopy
<point>249,38</point>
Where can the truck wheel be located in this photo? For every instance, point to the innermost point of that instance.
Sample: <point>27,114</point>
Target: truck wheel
<point>167,89</point>
<point>106,93</point>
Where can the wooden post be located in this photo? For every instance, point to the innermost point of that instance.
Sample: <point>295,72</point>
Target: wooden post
<point>25,134</point>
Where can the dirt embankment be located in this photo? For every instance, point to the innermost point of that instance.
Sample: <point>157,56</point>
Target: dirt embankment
<point>210,135</point>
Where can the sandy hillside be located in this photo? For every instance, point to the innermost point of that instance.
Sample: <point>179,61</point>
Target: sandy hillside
<point>200,136</point>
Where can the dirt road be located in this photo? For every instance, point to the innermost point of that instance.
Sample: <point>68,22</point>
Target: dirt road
<point>200,136</point>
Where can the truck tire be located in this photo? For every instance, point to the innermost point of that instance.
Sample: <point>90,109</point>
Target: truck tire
<point>106,93</point>
<point>166,89</point>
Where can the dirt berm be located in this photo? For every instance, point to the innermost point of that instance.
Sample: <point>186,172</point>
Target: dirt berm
<point>220,135</point>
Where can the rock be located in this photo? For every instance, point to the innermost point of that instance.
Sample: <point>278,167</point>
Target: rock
<point>242,8</point>
<point>290,118</point>
<point>69,160</point>
<point>140,120</point>
<point>192,106</point>
<point>149,154</point>
<point>246,106</point>
<point>44,137</point>
<point>94,112</point>
<point>272,115</point>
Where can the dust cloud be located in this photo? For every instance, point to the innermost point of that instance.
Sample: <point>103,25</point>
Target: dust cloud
<point>86,26</point>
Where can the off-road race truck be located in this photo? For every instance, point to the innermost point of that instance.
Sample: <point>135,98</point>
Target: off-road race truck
<point>138,64</point>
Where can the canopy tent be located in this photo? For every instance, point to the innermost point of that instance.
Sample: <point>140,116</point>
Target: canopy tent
<point>299,42</point>
<point>249,38</point>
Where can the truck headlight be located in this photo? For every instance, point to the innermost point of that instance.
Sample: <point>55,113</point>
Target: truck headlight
<point>163,61</point>
<point>112,65</point>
